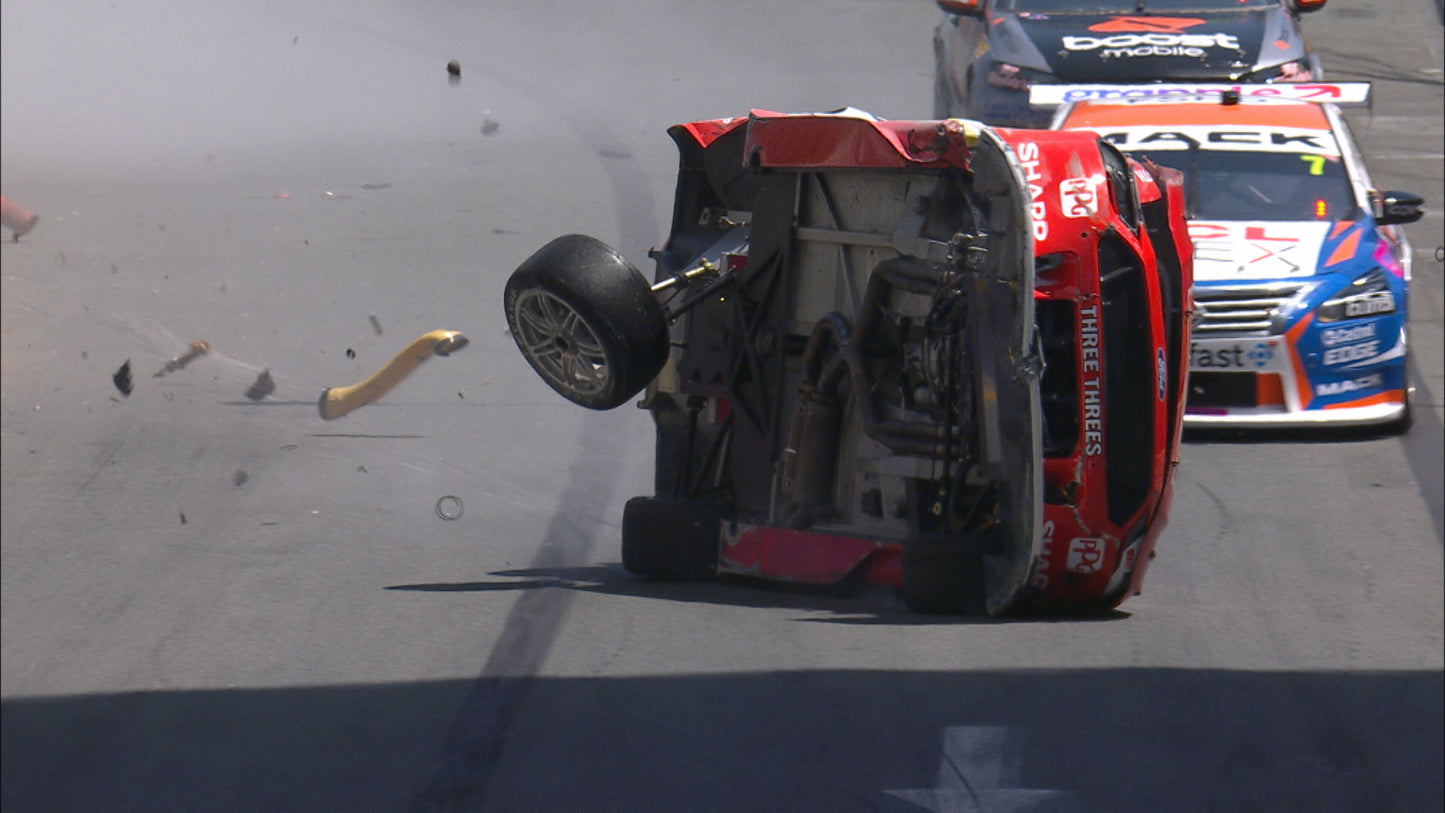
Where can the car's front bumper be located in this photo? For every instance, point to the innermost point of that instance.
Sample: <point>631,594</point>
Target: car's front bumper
<point>1272,381</point>
<point>1373,414</point>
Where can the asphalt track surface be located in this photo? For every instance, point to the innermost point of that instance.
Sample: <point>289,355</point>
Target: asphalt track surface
<point>211,603</point>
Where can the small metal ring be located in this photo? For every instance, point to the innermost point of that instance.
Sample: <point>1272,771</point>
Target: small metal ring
<point>444,504</point>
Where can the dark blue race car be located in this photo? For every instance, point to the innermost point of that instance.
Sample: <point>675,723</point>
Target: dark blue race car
<point>989,52</point>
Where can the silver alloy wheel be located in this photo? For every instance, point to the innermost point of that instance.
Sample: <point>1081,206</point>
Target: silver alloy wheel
<point>560,344</point>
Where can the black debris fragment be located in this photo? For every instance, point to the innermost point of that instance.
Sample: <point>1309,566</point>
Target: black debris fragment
<point>122,379</point>
<point>454,68</point>
<point>240,477</point>
<point>351,354</point>
<point>375,324</point>
<point>261,387</point>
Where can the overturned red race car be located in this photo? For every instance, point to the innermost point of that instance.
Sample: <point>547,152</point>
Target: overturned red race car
<point>932,355</point>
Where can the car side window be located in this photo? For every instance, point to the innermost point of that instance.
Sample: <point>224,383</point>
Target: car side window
<point>1121,185</point>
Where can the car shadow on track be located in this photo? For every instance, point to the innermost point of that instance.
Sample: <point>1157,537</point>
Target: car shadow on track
<point>849,603</point>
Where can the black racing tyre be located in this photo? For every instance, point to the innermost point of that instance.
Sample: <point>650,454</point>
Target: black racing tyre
<point>943,574</point>
<point>1402,424</point>
<point>672,540</point>
<point>587,321</point>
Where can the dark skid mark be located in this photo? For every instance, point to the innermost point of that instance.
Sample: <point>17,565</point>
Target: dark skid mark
<point>359,435</point>
<point>470,750</point>
<point>1422,449</point>
<point>475,741</point>
<point>480,587</point>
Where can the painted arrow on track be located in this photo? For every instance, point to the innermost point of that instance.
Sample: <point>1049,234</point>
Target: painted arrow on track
<point>976,764</point>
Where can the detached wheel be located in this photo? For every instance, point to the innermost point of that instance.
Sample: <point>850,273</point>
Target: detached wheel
<point>587,321</point>
<point>672,540</point>
<point>943,575</point>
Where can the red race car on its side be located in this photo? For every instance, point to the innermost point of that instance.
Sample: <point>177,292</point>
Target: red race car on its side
<point>928,354</point>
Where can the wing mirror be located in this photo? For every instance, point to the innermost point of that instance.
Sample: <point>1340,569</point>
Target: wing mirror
<point>1399,207</point>
<point>970,8</point>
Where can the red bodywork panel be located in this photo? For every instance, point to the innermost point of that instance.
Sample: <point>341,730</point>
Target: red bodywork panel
<point>825,140</point>
<point>808,558</point>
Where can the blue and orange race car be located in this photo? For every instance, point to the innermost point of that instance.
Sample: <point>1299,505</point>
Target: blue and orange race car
<point>1302,268</point>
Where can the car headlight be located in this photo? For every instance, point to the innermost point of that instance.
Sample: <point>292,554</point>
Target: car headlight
<point>1368,295</point>
<point>1012,77</point>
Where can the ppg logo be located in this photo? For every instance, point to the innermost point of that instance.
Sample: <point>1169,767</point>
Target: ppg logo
<point>1086,555</point>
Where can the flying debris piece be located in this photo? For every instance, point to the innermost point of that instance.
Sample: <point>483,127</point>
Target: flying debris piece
<point>261,387</point>
<point>198,348</point>
<point>454,68</point>
<point>375,324</point>
<point>122,379</point>
<point>449,507</point>
<point>17,218</point>
<point>338,401</point>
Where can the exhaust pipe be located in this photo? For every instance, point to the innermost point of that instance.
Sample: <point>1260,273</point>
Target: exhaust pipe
<point>338,401</point>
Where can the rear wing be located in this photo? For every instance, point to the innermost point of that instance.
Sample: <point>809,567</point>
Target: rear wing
<point>1343,94</point>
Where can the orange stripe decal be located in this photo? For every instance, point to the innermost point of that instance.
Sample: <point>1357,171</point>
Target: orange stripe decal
<point>1391,397</point>
<point>1301,381</point>
<point>1268,390</point>
<point>1345,250</point>
<point>1304,114</point>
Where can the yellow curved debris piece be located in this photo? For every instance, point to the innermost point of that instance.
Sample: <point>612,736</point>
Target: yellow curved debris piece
<point>338,401</point>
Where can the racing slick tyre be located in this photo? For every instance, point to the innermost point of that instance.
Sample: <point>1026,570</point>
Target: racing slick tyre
<point>672,540</point>
<point>943,574</point>
<point>587,321</point>
<point>1402,424</point>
